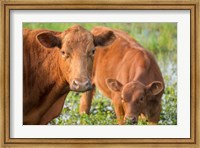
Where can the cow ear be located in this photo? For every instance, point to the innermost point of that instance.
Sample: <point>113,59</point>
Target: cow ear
<point>49,40</point>
<point>155,88</point>
<point>104,38</point>
<point>114,85</point>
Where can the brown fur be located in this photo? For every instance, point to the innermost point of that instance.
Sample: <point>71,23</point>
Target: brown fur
<point>53,62</point>
<point>128,74</point>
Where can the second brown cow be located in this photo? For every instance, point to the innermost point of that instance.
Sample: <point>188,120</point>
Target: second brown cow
<point>128,74</point>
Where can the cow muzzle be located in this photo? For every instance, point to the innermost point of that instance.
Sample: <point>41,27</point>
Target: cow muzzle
<point>131,120</point>
<point>80,85</point>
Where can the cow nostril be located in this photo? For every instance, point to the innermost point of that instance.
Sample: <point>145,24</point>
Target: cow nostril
<point>87,83</point>
<point>134,120</point>
<point>75,84</point>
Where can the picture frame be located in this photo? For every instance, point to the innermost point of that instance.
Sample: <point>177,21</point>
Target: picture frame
<point>7,6</point>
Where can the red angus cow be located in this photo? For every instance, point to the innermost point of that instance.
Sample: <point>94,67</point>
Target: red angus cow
<point>128,74</point>
<point>55,63</point>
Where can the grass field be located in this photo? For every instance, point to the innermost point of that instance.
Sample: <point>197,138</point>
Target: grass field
<point>160,39</point>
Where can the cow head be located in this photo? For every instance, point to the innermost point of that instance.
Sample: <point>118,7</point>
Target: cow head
<point>75,48</point>
<point>134,96</point>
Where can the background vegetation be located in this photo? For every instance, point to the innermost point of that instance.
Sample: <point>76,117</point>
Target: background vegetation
<point>160,39</point>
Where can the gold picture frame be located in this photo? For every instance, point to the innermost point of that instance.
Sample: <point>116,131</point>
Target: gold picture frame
<point>7,5</point>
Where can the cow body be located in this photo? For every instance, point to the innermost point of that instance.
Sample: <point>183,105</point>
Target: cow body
<point>53,64</point>
<point>122,71</point>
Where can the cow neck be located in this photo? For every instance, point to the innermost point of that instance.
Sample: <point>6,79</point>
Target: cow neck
<point>56,90</point>
<point>56,86</point>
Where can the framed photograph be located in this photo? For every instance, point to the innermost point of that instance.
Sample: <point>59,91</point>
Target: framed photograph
<point>103,73</point>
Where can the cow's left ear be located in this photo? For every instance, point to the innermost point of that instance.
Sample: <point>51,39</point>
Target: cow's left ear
<point>114,85</point>
<point>154,88</point>
<point>49,39</point>
<point>104,38</point>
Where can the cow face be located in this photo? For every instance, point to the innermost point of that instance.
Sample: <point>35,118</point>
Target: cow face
<point>134,96</point>
<point>76,47</point>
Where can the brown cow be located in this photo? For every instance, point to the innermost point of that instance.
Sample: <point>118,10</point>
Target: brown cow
<point>128,74</point>
<point>55,63</point>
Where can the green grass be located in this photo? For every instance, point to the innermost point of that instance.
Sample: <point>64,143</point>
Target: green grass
<point>160,39</point>
<point>102,112</point>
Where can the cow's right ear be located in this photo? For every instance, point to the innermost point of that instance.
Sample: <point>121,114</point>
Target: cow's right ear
<point>154,88</point>
<point>104,38</point>
<point>114,85</point>
<point>49,40</point>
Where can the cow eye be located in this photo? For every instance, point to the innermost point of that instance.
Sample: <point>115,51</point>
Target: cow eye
<point>62,53</point>
<point>92,52</point>
<point>141,99</point>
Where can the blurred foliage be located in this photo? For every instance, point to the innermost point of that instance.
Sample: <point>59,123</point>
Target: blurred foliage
<point>160,39</point>
<point>102,112</point>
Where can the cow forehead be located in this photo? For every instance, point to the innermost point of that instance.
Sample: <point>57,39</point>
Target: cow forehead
<point>77,34</point>
<point>133,88</point>
<point>77,40</point>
